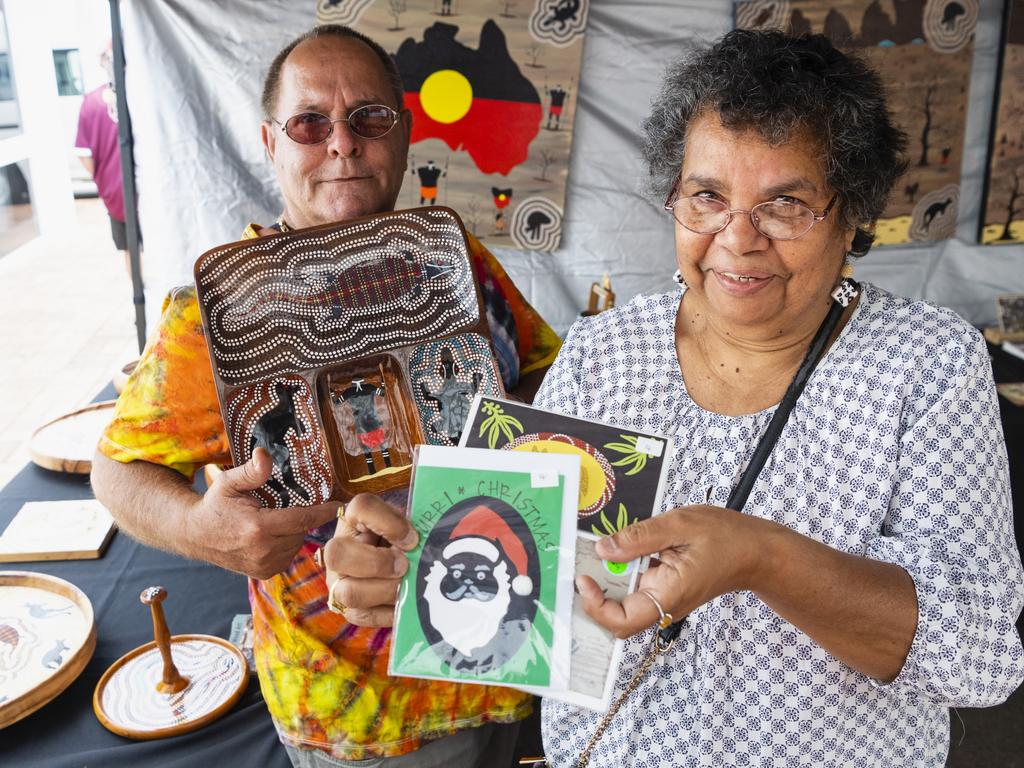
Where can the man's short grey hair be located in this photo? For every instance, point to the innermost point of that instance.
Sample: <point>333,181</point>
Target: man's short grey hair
<point>779,86</point>
<point>272,82</point>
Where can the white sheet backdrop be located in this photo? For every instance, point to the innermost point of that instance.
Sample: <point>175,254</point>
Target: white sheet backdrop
<point>194,75</point>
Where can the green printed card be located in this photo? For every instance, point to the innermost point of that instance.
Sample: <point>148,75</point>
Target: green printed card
<point>488,595</point>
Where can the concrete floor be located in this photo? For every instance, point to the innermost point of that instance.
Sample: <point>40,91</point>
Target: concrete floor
<point>68,324</point>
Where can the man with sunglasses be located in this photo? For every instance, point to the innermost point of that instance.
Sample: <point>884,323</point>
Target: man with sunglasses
<point>337,135</point>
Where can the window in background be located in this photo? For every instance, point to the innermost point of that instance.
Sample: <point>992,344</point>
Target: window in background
<point>10,118</point>
<point>68,64</point>
<point>17,221</point>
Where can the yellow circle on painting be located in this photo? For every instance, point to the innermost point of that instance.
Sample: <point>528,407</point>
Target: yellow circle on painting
<point>446,96</point>
<point>592,479</point>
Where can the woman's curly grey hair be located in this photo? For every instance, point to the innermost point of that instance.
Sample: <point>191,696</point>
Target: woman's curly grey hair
<point>776,85</point>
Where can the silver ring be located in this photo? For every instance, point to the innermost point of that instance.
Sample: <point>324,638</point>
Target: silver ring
<point>665,618</point>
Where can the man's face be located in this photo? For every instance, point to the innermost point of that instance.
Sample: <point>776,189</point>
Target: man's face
<point>346,176</point>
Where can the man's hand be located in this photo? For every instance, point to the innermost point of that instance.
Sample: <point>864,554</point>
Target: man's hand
<point>232,530</point>
<point>366,560</point>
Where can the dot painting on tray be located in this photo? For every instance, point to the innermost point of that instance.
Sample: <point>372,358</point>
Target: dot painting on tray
<point>446,375</point>
<point>340,348</point>
<point>278,415</point>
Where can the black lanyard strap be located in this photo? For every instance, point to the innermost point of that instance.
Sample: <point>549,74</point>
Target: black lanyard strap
<point>738,497</point>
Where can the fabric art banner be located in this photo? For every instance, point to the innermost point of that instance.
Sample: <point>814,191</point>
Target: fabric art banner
<point>1002,219</point>
<point>492,89</point>
<point>923,51</point>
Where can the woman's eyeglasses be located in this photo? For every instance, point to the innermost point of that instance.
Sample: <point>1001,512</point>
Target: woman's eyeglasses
<point>775,219</point>
<point>373,121</point>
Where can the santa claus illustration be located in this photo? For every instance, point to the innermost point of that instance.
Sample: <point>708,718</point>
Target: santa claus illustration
<point>478,581</point>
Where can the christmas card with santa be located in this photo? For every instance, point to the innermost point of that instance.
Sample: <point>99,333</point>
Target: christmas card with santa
<point>622,480</point>
<point>489,591</point>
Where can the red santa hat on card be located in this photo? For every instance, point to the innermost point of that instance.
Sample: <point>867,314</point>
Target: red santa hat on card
<point>478,531</point>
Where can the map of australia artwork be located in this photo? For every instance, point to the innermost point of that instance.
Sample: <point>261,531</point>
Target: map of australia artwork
<point>492,88</point>
<point>1002,218</point>
<point>922,49</point>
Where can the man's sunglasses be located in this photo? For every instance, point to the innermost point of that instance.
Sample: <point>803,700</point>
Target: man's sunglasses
<point>373,121</point>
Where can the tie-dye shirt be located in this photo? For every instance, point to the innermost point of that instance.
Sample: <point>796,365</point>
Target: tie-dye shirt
<point>324,681</point>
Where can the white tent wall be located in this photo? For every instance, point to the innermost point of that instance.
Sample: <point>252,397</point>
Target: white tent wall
<point>194,75</point>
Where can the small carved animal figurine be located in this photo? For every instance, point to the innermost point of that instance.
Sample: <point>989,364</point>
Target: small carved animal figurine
<point>54,657</point>
<point>934,210</point>
<point>269,433</point>
<point>361,398</point>
<point>452,398</point>
<point>40,611</point>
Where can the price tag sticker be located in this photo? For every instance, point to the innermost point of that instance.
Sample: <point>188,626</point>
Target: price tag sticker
<point>543,479</point>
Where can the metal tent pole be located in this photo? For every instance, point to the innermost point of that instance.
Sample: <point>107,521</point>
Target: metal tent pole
<point>126,144</point>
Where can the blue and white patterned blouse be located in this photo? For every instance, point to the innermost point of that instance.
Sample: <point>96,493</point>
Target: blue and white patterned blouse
<point>895,452</point>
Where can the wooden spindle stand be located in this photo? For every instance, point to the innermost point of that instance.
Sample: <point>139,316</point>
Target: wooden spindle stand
<point>152,692</point>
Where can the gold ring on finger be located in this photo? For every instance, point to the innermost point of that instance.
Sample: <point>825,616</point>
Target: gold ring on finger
<point>665,618</point>
<point>333,604</point>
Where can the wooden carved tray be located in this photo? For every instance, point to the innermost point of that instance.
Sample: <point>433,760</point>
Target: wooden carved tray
<point>67,443</point>
<point>47,636</point>
<point>339,348</point>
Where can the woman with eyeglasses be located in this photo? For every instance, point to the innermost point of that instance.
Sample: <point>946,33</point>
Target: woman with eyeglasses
<point>836,563</point>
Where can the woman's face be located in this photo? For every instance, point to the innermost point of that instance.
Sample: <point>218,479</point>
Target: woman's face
<point>745,278</point>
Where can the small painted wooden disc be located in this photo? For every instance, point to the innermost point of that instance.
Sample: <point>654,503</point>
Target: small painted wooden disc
<point>128,703</point>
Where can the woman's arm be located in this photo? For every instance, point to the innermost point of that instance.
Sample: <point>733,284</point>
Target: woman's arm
<point>862,611</point>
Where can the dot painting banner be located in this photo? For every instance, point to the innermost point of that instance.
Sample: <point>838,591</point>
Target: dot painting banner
<point>492,91</point>
<point>1002,212</point>
<point>923,51</point>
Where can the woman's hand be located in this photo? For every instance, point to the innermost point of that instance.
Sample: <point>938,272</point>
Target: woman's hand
<point>366,560</point>
<point>703,552</point>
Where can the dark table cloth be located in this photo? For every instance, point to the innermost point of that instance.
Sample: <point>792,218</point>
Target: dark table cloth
<point>201,599</point>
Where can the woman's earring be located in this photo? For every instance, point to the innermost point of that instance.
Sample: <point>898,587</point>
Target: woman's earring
<point>846,291</point>
<point>677,278</point>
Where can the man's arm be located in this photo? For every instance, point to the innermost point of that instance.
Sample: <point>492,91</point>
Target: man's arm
<point>89,164</point>
<point>225,526</point>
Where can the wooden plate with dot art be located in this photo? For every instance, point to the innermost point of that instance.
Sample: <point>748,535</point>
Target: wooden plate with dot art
<point>47,636</point>
<point>311,336</point>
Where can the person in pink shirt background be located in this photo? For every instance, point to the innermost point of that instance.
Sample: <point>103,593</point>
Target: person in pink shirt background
<point>97,132</point>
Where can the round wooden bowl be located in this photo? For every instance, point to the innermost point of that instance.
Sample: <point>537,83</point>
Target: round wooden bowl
<point>127,702</point>
<point>67,443</point>
<point>47,636</point>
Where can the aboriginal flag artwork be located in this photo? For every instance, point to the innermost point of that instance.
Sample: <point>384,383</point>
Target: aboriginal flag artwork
<point>492,88</point>
<point>922,49</point>
<point>1002,219</point>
